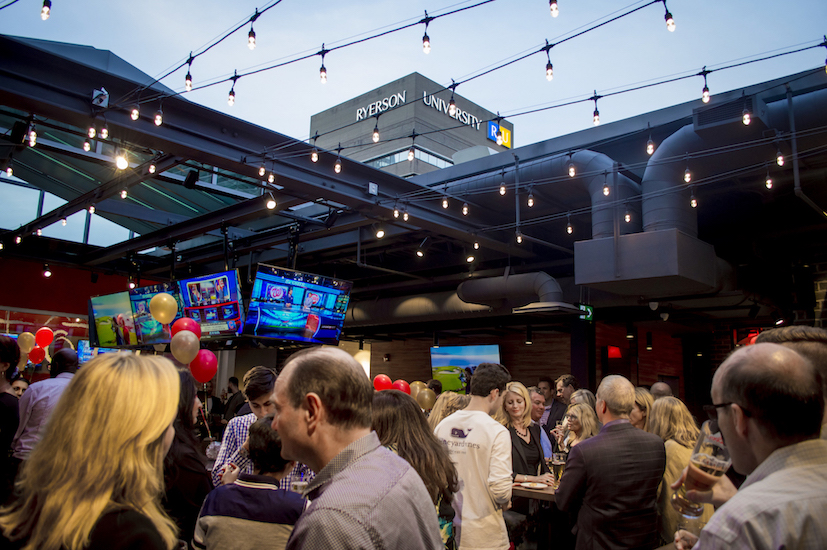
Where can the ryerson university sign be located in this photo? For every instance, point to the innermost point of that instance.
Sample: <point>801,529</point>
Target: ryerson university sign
<point>395,100</point>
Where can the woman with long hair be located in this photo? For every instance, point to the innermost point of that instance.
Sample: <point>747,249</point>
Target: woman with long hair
<point>527,461</point>
<point>185,467</point>
<point>446,404</point>
<point>95,479</point>
<point>582,424</point>
<point>671,420</point>
<point>639,417</point>
<point>401,426</point>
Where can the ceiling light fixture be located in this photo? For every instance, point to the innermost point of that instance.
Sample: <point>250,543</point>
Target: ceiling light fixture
<point>188,78</point>
<point>549,66</point>
<point>627,217</point>
<point>670,21</point>
<point>32,135</point>
<point>376,131</point>
<point>337,166</point>
<point>63,222</point>
<point>606,190</point>
<point>379,231</point>
<point>104,133</point>
<point>231,96</point>
<point>530,201</point>
<point>779,158</point>
<point>555,11</point>
<point>569,226</point>
<point>426,40</point>
<point>159,117</point>
<point>596,114</point>
<point>705,91</point>
<point>768,180</point>
<point>465,209</point>
<point>262,170</point>
<point>271,201</point>
<point>87,146</point>
<point>46,10</point>
<point>135,112</point>
<point>91,132</point>
<point>693,202</point>
<point>46,271</point>
<point>121,161</point>
<point>322,70</point>
<point>519,237</point>
<point>405,215</point>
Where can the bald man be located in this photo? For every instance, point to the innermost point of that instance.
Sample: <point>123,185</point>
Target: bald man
<point>661,389</point>
<point>767,400</point>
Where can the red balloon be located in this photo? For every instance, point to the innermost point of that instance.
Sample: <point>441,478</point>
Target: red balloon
<point>401,385</point>
<point>38,354</point>
<point>204,366</point>
<point>44,337</point>
<point>382,382</point>
<point>186,323</point>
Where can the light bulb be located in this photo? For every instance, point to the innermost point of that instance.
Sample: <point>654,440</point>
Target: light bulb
<point>46,271</point>
<point>549,71</point>
<point>476,245</point>
<point>314,155</point>
<point>779,158</point>
<point>337,167</point>
<point>768,181</point>
<point>46,11</point>
<point>705,95</point>
<point>519,237</point>
<point>499,136</point>
<point>91,208</point>
<point>426,43</point>
<point>380,232</point>
<point>445,202</point>
<point>120,160</point>
<point>650,146</point>
<point>411,154</point>
<point>91,132</point>
<point>405,215</point>
<point>470,258</point>
<point>687,175</point>
<point>323,74</point>
<point>670,22</point>
<point>530,200</point>
<point>87,146</point>
<point>231,97</point>
<point>152,168</point>
<point>39,232</point>
<point>104,133</point>
<point>693,202</point>
<point>555,11</point>
<point>271,177</point>
<point>396,213</point>
<point>188,82</point>
<point>124,193</point>
<point>452,106</point>
<point>159,117</point>
<point>9,171</point>
<point>135,113</point>
<point>606,190</point>
<point>746,118</point>
<point>32,136</point>
<point>251,39</point>
<point>261,171</point>
<point>465,209</point>
<point>376,134</point>
<point>63,222</point>
<point>627,217</point>
<point>131,285</point>
<point>420,253</point>
<point>572,170</point>
<point>502,188</point>
<point>596,117</point>
<point>271,202</point>
<point>18,239</point>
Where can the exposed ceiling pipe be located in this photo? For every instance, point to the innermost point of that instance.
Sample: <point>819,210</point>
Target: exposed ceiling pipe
<point>794,143</point>
<point>600,168</point>
<point>511,290</point>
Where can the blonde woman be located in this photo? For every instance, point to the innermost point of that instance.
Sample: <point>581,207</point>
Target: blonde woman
<point>639,417</point>
<point>527,461</point>
<point>95,479</point>
<point>582,424</point>
<point>446,404</point>
<point>671,420</point>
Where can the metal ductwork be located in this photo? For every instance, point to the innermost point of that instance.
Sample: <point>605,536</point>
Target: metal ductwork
<point>511,290</point>
<point>438,306</point>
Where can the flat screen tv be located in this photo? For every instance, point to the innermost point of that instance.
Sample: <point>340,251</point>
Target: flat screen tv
<point>214,301</point>
<point>292,305</point>
<point>114,325</point>
<point>86,352</point>
<point>148,329</point>
<point>448,363</point>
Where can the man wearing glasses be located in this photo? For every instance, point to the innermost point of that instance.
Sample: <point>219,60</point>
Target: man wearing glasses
<point>768,403</point>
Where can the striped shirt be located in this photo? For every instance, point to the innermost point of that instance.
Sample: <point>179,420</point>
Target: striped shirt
<point>781,504</point>
<point>235,435</point>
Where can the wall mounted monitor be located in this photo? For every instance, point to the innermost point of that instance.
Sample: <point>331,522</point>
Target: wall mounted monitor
<point>148,329</point>
<point>114,325</point>
<point>448,363</point>
<point>292,305</point>
<point>87,352</point>
<point>214,302</point>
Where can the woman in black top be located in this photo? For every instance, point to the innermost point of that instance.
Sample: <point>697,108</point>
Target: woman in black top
<point>185,468</point>
<point>9,413</point>
<point>527,461</point>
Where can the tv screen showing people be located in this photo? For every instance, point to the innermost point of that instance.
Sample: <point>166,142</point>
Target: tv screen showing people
<point>214,302</point>
<point>292,305</point>
<point>149,330</point>
<point>113,320</point>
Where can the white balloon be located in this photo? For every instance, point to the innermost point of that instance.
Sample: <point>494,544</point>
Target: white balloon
<point>184,346</point>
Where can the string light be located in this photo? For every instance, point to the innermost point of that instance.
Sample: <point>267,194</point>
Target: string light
<point>9,171</point>
<point>188,79</point>
<point>231,96</point>
<point>131,283</point>
<point>63,222</point>
<point>159,117</point>
<point>18,239</point>
<point>627,217</point>
<point>314,155</point>
<point>502,185</point>
<point>445,201</point>
<point>405,215</point>
<point>670,21</point>
<point>121,161</point>
<point>499,134</point>
<point>46,10</point>
<point>469,258</point>
<point>152,168</point>
<point>452,105</point>
<point>46,271</point>
<point>465,209</point>
<point>596,115</point>
<point>426,40</point>
<point>323,71</point>
<point>530,199</point>
<point>650,146</point>
<point>104,133</point>
<point>271,201</point>
<point>746,117</point>
<point>768,180</point>
<point>376,132</point>
<point>271,177</point>
<point>395,212</point>
<point>251,36</point>
<point>693,202</point>
<point>87,146</point>
<point>476,245</point>
<point>91,208</point>
<point>124,193</point>
<point>91,132</point>
<point>549,66</point>
<point>262,170</point>
<point>32,135</point>
<point>687,175</point>
<point>555,11</point>
<point>135,112</point>
<point>606,189</point>
<point>412,151</point>
<point>705,91</point>
<point>779,158</point>
<point>39,232</point>
<point>519,237</point>
<point>337,166</point>
<point>572,169</point>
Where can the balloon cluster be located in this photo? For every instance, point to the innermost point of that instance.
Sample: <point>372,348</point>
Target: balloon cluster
<point>35,344</point>
<point>185,344</point>
<point>420,391</point>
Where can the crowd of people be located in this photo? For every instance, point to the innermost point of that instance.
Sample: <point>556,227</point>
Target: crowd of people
<point>108,456</point>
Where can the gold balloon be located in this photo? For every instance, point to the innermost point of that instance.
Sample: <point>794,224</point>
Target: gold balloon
<point>26,342</point>
<point>426,398</point>
<point>163,308</point>
<point>417,387</point>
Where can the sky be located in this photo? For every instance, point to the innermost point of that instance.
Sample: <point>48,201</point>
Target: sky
<point>157,35</point>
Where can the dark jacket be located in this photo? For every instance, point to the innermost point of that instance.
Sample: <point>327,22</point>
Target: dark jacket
<point>519,464</point>
<point>611,485</point>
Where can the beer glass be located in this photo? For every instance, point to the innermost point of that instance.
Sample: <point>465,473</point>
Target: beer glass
<point>709,462</point>
<point>558,466</point>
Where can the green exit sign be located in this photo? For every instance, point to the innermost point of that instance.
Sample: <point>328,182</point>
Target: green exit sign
<point>588,312</point>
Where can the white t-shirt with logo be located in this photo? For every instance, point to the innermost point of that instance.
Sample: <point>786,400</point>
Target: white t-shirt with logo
<point>480,447</point>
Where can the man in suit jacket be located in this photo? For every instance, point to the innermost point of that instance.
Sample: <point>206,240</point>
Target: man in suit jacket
<point>611,480</point>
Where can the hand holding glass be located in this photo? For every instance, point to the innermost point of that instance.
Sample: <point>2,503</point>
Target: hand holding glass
<point>709,462</point>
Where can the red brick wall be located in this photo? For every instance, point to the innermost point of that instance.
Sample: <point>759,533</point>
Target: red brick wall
<point>666,358</point>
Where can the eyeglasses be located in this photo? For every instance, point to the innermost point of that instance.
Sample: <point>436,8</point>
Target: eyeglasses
<point>712,413</point>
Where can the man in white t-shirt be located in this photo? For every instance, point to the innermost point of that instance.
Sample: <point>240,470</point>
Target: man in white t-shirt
<point>480,447</point>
